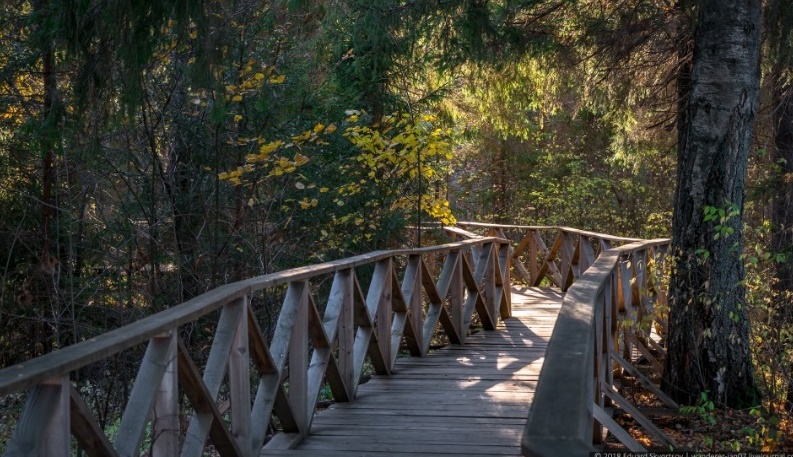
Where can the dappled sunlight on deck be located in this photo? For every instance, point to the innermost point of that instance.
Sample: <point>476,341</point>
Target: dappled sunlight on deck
<point>460,400</point>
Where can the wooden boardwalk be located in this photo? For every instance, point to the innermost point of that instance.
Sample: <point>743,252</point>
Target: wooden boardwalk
<point>470,400</point>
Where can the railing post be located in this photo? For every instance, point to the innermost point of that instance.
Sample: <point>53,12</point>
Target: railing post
<point>165,421</point>
<point>533,257</point>
<point>456,298</point>
<point>411,290</point>
<point>346,335</point>
<point>504,281</point>
<point>298,360</point>
<point>145,391</point>
<point>57,434</point>
<point>568,261</point>
<point>486,257</point>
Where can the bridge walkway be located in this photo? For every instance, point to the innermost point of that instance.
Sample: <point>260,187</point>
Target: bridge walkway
<point>469,400</point>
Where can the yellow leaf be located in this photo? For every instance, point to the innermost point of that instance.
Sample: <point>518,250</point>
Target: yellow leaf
<point>237,117</point>
<point>259,76</point>
<point>277,79</point>
<point>331,128</point>
<point>300,159</point>
<point>318,128</point>
<point>237,98</point>
<point>323,189</point>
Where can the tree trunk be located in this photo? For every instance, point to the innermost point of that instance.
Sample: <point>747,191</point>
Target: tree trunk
<point>708,344</point>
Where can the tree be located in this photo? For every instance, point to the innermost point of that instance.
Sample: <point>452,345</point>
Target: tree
<point>708,342</point>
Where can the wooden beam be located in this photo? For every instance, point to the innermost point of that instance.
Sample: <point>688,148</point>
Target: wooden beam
<point>204,406</point>
<point>40,409</point>
<point>165,417</point>
<point>144,392</point>
<point>622,436</point>
<point>89,435</point>
<point>240,382</point>
<point>646,382</point>
<point>638,416</point>
<point>201,424</point>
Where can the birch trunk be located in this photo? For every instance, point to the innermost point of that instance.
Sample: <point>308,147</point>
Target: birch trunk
<point>708,345</point>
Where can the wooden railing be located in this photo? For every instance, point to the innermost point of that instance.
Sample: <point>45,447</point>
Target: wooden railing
<point>607,315</point>
<point>307,350</point>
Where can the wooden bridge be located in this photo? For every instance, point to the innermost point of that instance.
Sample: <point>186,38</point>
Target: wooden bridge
<point>538,379</point>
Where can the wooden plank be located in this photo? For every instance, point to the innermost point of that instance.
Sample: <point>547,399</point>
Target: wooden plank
<point>638,416</point>
<point>504,282</point>
<point>429,286</point>
<point>165,419</point>
<point>86,430</point>
<point>646,382</point>
<point>40,406</point>
<point>384,314</point>
<point>448,271</point>
<point>298,360</point>
<point>657,366</point>
<point>622,436</point>
<point>320,359</point>
<point>568,260</point>
<point>548,266</point>
<point>260,354</point>
<point>346,338</point>
<point>215,371</point>
<point>456,303</point>
<point>204,406</point>
<point>144,392</point>
<point>270,395</point>
<point>475,299</point>
<point>56,436</point>
<point>587,257</point>
<point>411,291</point>
<point>239,382</point>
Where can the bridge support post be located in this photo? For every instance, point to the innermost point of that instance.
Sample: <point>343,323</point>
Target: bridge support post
<point>56,436</point>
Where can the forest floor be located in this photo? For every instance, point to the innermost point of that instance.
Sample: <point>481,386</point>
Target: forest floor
<point>706,427</point>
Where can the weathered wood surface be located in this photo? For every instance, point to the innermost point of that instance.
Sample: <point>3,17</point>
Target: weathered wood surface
<point>460,400</point>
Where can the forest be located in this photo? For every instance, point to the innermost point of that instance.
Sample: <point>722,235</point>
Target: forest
<point>153,151</point>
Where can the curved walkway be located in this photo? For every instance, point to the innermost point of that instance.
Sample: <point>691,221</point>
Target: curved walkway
<point>473,403</point>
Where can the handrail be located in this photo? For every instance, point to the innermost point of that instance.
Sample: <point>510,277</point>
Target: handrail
<point>572,230</point>
<point>576,384</point>
<point>562,417</point>
<point>474,278</point>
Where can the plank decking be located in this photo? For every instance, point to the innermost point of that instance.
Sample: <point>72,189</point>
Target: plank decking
<point>469,400</point>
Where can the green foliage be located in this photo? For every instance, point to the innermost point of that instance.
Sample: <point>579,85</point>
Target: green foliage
<point>704,408</point>
<point>720,217</point>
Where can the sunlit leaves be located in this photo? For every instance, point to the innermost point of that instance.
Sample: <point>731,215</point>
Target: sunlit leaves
<point>399,148</point>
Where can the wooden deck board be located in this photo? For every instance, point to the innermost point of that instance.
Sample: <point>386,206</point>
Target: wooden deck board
<point>469,400</point>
